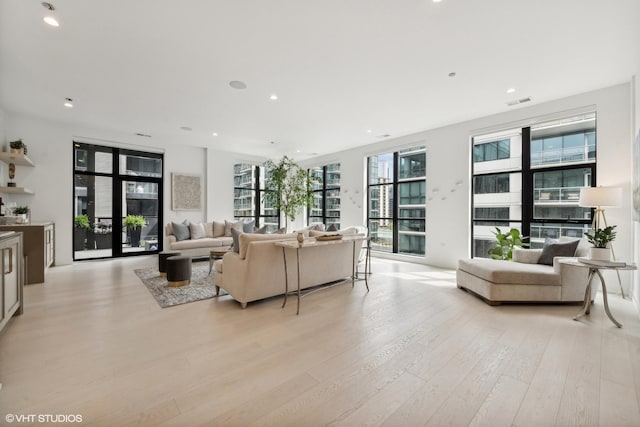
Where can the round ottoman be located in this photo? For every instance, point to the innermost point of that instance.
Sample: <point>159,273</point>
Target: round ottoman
<point>178,271</point>
<point>162,261</point>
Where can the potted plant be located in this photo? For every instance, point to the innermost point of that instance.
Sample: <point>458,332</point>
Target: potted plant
<point>134,224</point>
<point>600,239</point>
<point>17,147</point>
<point>102,232</point>
<point>288,187</point>
<point>505,242</point>
<point>22,213</point>
<point>80,227</point>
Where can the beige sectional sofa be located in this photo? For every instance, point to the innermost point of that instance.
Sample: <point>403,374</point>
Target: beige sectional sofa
<point>199,247</point>
<point>257,270</point>
<point>523,279</point>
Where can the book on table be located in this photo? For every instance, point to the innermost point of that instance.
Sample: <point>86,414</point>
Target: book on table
<point>600,263</point>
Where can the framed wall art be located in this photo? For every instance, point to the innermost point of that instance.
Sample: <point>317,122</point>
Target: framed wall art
<point>185,192</point>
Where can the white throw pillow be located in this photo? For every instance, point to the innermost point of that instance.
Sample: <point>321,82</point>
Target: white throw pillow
<point>197,230</point>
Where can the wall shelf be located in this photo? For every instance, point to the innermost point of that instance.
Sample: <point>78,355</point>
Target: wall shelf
<point>15,190</point>
<point>16,159</point>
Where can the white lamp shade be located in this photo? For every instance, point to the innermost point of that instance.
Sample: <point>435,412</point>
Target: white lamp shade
<point>595,197</point>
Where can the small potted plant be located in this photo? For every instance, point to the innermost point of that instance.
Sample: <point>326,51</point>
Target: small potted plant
<point>22,213</point>
<point>600,239</point>
<point>102,231</point>
<point>81,226</point>
<point>134,224</point>
<point>17,147</point>
<point>505,243</point>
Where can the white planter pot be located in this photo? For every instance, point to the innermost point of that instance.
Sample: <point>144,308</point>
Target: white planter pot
<point>600,254</point>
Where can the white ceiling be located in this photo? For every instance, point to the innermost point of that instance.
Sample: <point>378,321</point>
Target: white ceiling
<point>339,67</point>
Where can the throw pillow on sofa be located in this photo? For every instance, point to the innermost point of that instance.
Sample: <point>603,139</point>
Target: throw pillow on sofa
<point>235,246</point>
<point>553,248</point>
<point>181,231</point>
<point>247,227</point>
<point>218,229</point>
<point>197,230</point>
<point>228,225</point>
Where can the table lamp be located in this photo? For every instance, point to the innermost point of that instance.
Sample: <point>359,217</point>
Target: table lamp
<point>599,198</point>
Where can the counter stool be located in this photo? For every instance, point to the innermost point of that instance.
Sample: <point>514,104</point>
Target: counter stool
<point>178,271</point>
<point>162,261</point>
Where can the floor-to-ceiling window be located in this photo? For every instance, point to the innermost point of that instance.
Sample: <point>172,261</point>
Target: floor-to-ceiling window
<point>325,206</point>
<point>530,178</point>
<point>397,201</point>
<point>248,201</point>
<point>111,184</point>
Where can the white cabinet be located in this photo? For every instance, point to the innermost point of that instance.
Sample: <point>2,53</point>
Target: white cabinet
<point>11,282</point>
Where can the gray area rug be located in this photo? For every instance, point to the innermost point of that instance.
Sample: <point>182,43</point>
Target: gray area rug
<point>201,286</point>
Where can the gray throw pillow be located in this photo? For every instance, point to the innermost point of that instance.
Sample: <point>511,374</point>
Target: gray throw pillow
<point>332,227</point>
<point>235,233</point>
<point>181,231</point>
<point>261,230</point>
<point>247,227</point>
<point>553,248</point>
<point>282,230</point>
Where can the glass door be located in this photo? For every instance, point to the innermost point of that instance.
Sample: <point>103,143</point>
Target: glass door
<point>117,200</point>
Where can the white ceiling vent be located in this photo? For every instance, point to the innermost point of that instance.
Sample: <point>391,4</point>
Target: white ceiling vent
<point>518,101</point>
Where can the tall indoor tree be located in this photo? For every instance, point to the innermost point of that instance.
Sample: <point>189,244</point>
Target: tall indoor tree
<point>288,187</point>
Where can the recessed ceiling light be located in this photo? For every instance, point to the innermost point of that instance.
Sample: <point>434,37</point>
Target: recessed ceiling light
<point>186,128</point>
<point>237,84</point>
<point>51,21</point>
<point>437,1</point>
<point>273,97</point>
<point>68,102</point>
<point>511,90</point>
<point>369,131</point>
<point>452,74</point>
<point>215,134</point>
<point>297,151</point>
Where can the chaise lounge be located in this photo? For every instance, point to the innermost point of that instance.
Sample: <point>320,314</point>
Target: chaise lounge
<point>524,279</point>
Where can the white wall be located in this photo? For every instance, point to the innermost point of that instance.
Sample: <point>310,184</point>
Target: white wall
<point>50,147</point>
<point>448,162</point>
<point>635,129</point>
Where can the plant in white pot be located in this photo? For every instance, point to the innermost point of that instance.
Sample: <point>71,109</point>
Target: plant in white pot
<point>600,239</point>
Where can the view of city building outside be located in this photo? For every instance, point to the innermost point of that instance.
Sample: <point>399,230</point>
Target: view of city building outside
<point>561,162</point>
<point>397,201</point>
<point>249,184</point>
<point>325,183</point>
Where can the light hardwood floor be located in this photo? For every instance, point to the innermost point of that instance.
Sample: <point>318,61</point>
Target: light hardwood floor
<point>414,351</point>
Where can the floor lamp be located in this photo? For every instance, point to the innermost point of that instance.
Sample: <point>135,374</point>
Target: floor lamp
<point>599,198</point>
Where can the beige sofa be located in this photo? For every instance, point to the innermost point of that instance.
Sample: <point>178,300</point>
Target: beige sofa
<point>523,280</point>
<point>258,272</point>
<point>196,248</point>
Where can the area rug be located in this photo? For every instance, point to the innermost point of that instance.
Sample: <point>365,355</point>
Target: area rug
<point>201,286</point>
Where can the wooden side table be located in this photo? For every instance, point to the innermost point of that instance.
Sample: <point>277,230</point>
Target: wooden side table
<point>217,253</point>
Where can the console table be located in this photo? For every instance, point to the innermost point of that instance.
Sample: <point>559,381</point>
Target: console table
<point>594,269</point>
<point>294,245</point>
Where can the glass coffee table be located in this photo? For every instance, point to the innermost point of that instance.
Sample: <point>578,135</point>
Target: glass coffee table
<point>217,253</point>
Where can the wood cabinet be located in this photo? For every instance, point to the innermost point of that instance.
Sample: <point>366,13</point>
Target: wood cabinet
<point>39,248</point>
<point>11,280</point>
